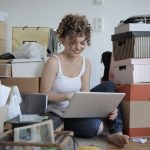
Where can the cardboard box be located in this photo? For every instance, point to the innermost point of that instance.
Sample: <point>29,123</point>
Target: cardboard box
<point>132,27</point>
<point>135,109</point>
<point>2,37</point>
<point>3,118</point>
<point>2,46</point>
<point>132,70</point>
<point>131,45</point>
<point>5,70</point>
<point>2,30</point>
<point>25,85</point>
<point>23,67</point>
<point>27,67</point>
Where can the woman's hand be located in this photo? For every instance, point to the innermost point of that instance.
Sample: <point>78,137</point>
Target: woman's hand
<point>113,114</point>
<point>69,96</point>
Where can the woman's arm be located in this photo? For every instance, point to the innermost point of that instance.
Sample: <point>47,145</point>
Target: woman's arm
<point>86,77</point>
<point>47,79</point>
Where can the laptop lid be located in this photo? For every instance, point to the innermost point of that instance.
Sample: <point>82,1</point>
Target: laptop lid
<point>34,103</point>
<point>92,104</point>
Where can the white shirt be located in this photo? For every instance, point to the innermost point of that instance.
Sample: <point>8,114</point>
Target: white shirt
<point>64,84</point>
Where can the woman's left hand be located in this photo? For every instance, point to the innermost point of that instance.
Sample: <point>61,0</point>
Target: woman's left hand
<point>113,114</point>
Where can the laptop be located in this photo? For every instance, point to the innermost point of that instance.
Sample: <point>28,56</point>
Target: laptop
<point>91,105</point>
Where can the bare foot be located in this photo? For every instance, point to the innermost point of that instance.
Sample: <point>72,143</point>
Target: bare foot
<point>118,139</point>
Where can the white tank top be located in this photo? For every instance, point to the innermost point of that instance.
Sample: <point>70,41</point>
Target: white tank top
<point>64,84</point>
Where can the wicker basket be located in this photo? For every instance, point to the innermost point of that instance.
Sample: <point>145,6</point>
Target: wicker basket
<point>63,141</point>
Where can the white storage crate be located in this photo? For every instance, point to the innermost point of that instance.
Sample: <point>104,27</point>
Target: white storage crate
<point>135,70</point>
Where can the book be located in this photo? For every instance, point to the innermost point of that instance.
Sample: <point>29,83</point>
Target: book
<point>15,122</point>
<point>30,118</point>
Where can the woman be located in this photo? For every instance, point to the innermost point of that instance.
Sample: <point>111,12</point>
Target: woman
<point>69,72</point>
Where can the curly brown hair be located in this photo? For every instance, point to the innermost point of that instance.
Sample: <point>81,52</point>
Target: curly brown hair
<point>74,25</point>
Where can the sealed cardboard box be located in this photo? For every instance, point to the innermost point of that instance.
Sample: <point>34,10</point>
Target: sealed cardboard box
<point>135,109</point>
<point>2,37</point>
<point>2,30</point>
<point>133,70</point>
<point>131,45</point>
<point>25,85</point>
<point>5,70</point>
<point>3,118</point>
<point>2,46</point>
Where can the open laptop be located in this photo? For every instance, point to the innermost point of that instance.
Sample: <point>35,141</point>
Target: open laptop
<point>91,104</point>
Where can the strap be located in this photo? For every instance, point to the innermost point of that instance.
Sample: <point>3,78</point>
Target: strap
<point>9,96</point>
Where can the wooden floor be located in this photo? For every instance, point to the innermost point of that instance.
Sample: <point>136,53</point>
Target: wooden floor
<point>132,146</point>
<point>102,144</point>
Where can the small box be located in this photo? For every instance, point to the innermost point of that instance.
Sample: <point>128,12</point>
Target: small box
<point>132,70</point>
<point>25,85</point>
<point>131,45</point>
<point>135,109</point>
<point>25,67</point>
<point>5,70</point>
<point>132,27</point>
<point>3,118</point>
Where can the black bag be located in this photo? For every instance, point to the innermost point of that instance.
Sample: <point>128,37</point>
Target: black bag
<point>137,19</point>
<point>106,58</point>
<point>7,56</point>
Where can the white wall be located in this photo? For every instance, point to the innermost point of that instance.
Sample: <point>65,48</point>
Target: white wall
<point>49,13</point>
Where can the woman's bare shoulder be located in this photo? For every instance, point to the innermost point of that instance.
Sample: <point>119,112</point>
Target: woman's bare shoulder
<point>52,60</point>
<point>87,62</point>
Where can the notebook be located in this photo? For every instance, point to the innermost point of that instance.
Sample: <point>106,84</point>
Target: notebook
<point>91,105</point>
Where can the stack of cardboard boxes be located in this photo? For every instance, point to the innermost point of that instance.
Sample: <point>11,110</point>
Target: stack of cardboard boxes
<point>3,109</point>
<point>131,49</point>
<point>24,73</point>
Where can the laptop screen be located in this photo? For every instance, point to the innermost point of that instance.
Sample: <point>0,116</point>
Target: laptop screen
<point>34,103</point>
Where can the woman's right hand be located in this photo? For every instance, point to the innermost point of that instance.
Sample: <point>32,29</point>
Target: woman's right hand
<point>113,114</point>
<point>69,96</point>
